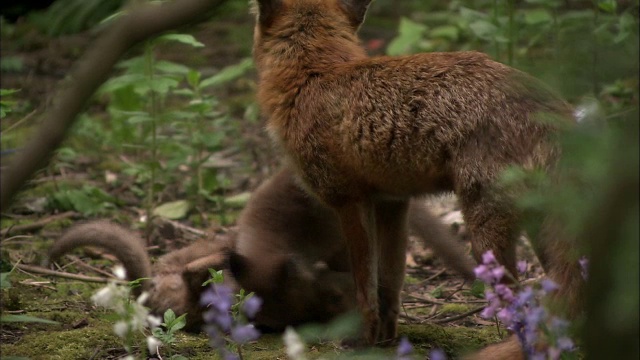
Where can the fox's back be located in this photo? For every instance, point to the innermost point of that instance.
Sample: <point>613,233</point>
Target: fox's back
<point>413,115</point>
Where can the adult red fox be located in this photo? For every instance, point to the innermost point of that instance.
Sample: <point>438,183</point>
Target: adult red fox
<point>367,134</point>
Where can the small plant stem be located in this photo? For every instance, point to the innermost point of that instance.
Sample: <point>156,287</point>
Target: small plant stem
<point>512,31</point>
<point>240,352</point>
<point>153,113</point>
<point>495,19</point>
<point>594,60</point>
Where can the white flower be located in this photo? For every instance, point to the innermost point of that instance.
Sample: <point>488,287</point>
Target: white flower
<point>121,329</point>
<point>153,344</point>
<point>154,321</point>
<point>295,346</point>
<point>120,272</point>
<point>104,297</point>
<point>143,298</point>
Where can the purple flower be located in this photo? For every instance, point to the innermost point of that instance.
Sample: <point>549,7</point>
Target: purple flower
<point>251,306</point>
<point>525,296</point>
<point>505,315</point>
<point>504,292</point>
<point>222,319</point>
<point>488,258</point>
<point>565,343</point>
<point>484,273</point>
<point>217,296</point>
<point>404,348</point>
<point>549,285</point>
<point>244,333</point>
<point>437,354</point>
<point>488,312</point>
<point>535,316</point>
<point>498,273</point>
<point>522,266</point>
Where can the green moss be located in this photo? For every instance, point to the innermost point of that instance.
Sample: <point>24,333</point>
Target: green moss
<point>455,341</point>
<point>410,280</point>
<point>454,308</point>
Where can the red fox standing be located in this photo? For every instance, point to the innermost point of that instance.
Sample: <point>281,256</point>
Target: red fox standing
<point>366,134</point>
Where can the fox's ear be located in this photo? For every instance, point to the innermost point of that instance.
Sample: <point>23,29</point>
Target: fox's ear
<point>266,10</point>
<point>355,10</point>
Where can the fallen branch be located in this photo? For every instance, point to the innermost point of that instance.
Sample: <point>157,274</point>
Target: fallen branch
<point>45,271</point>
<point>36,224</point>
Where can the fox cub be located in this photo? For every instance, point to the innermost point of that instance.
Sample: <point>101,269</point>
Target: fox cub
<point>289,249</point>
<point>366,134</point>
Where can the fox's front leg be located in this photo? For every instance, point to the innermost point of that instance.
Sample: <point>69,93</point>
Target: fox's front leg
<point>391,224</point>
<point>358,224</point>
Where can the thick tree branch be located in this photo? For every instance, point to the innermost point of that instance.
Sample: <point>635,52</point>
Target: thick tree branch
<point>89,73</point>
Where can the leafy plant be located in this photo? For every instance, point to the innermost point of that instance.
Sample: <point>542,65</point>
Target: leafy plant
<point>171,324</point>
<point>7,104</point>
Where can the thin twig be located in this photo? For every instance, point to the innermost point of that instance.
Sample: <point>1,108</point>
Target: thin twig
<point>459,316</point>
<point>79,262</point>
<point>432,276</point>
<point>37,224</point>
<point>17,123</point>
<point>45,271</point>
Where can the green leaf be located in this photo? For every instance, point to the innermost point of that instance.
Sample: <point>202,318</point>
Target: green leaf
<point>217,277</point>
<point>7,92</point>
<point>537,16</point>
<point>477,288</point>
<point>608,6</point>
<point>169,317</point>
<point>182,38</point>
<point>26,319</point>
<point>483,29</point>
<point>449,32</point>
<point>193,78</point>
<point>5,283</point>
<point>170,67</point>
<point>239,200</point>
<point>472,15</point>
<point>120,82</point>
<point>410,33</point>
<point>179,322</point>
<point>228,73</point>
<point>173,210</point>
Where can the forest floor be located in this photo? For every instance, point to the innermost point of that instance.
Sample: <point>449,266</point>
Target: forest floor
<point>439,310</point>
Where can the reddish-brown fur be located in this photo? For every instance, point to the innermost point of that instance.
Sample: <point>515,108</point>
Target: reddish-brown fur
<point>290,246</point>
<point>366,134</point>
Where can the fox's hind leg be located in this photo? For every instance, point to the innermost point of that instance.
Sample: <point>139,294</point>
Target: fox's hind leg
<point>391,224</point>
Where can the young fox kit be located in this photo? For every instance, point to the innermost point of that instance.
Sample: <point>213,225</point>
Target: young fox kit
<point>289,250</point>
<point>366,134</point>
<point>289,242</point>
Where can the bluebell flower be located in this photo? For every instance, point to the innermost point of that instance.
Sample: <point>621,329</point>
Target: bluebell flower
<point>243,334</point>
<point>437,354</point>
<point>404,348</point>
<point>251,306</point>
